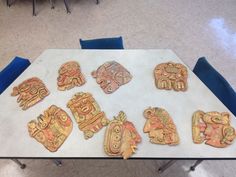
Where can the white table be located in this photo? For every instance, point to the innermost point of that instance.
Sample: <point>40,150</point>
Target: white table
<point>132,98</point>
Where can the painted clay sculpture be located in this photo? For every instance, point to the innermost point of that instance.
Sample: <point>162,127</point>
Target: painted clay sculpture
<point>213,128</point>
<point>70,75</point>
<point>111,75</point>
<point>171,76</point>
<point>121,137</point>
<point>52,128</point>
<point>87,114</point>
<point>30,92</point>
<point>160,127</point>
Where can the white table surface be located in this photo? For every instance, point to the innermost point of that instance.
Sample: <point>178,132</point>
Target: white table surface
<point>132,98</point>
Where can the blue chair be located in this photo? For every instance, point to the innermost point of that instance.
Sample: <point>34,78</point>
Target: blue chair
<point>103,43</point>
<point>216,83</point>
<point>219,86</point>
<point>12,71</point>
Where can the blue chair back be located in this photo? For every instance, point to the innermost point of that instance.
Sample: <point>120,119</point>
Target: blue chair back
<point>216,83</point>
<point>103,43</point>
<point>12,71</point>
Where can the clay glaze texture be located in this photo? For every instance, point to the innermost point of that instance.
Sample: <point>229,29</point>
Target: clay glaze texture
<point>213,128</point>
<point>70,75</point>
<point>111,75</point>
<point>30,91</point>
<point>51,128</point>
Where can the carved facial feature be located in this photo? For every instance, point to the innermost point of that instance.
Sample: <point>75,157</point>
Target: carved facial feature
<point>85,106</point>
<point>213,128</point>
<point>171,76</point>
<point>111,75</point>
<point>30,92</point>
<point>52,128</point>
<point>160,127</point>
<point>121,137</point>
<point>70,75</point>
<point>87,114</point>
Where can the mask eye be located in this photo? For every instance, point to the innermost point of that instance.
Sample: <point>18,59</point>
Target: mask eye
<point>117,129</point>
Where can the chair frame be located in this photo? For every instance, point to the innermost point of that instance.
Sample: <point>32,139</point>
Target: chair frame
<point>51,2</point>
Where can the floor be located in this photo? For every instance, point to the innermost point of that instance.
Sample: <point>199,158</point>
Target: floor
<point>190,28</point>
<point>116,168</point>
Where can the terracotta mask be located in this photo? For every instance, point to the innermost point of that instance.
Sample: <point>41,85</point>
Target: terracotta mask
<point>87,113</point>
<point>30,92</point>
<point>213,128</point>
<point>121,137</point>
<point>160,127</point>
<point>70,76</point>
<point>111,75</point>
<point>171,76</point>
<point>52,128</point>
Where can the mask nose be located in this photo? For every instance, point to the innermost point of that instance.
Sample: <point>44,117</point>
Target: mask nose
<point>146,127</point>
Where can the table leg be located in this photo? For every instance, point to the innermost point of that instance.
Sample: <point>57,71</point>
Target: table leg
<point>57,162</point>
<point>192,168</point>
<point>165,166</point>
<point>52,4</point>
<point>97,2</point>
<point>67,7</point>
<point>34,3</point>
<point>22,166</point>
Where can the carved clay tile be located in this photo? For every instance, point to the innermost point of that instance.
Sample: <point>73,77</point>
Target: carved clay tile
<point>30,92</point>
<point>121,137</point>
<point>160,127</point>
<point>111,75</point>
<point>171,76</point>
<point>87,114</point>
<point>70,75</point>
<point>52,128</point>
<point>213,128</point>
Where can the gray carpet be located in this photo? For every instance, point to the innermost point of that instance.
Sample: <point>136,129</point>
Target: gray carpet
<point>190,28</point>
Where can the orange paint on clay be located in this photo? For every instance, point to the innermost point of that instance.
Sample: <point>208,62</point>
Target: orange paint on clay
<point>52,128</point>
<point>111,75</point>
<point>216,132</point>
<point>87,113</point>
<point>170,76</point>
<point>30,91</point>
<point>70,75</point>
<point>121,137</point>
<point>160,127</point>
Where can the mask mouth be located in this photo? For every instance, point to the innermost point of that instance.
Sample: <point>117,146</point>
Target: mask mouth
<point>146,131</point>
<point>151,136</point>
<point>85,109</point>
<point>103,83</point>
<point>207,137</point>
